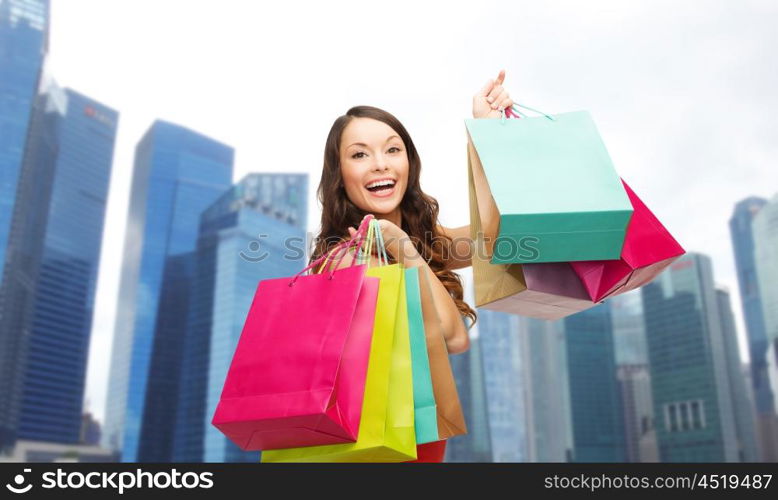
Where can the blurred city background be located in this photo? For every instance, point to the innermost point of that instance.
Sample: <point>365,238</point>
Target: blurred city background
<point>130,256</point>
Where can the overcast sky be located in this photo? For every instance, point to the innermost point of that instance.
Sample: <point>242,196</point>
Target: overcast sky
<point>683,94</point>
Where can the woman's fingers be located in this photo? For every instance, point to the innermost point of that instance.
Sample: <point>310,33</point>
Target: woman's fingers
<point>494,94</point>
<point>486,88</point>
<point>500,77</point>
<point>499,99</point>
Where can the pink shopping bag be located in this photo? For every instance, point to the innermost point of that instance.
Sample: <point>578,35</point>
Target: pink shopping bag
<point>648,249</point>
<point>297,377</point>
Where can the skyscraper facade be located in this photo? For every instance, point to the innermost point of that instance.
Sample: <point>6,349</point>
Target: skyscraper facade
<point>765,235</point>
<point>476,445</point>
<point>595,400</point>
<point>255,231</point>
<point>547,393</point>
<point>504,377</point>
<point>765,231</point>
<point>634,376</point>
<point>690,380</point>
<point>53,256</point>
<point>178,173</point>
<point>23,45</point>
<point>743,405</point>
<point>742,235</point>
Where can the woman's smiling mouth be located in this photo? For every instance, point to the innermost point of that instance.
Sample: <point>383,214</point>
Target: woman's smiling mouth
<point>381,187</point>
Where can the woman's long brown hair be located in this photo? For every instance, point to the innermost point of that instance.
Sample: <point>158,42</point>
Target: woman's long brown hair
<point>419,210</point>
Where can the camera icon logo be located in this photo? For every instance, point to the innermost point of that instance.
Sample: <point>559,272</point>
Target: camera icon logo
<point>19,481</point>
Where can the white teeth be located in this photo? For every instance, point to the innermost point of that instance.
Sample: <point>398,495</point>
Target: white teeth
<point>380,183</point>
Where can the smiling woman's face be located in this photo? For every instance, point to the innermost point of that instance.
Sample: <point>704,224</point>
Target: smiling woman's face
<point>374,166</point>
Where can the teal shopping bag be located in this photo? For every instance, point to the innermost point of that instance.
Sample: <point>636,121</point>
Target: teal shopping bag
<point>558,195</point>
<point>425,411</point>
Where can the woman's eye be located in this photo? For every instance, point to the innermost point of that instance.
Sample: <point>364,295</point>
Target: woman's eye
<point>356,155</point>
<point>394,147</point>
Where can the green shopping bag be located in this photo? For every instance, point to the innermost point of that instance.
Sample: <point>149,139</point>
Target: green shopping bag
<point>425,410</point>
<point>386,428</point>
<point>558,195</point>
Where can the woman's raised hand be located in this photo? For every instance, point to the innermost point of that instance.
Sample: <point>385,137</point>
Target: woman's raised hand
<point>491,99</point>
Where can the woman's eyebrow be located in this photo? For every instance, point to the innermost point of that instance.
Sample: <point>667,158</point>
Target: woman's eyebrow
<point>365,145</point>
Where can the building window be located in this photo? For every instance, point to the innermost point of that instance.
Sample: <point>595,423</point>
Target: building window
<point>696,416</point>
<point>683,408</point>
<point>673,411</point>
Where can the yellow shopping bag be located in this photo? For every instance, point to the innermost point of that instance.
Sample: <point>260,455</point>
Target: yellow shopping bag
<point>386,428</point>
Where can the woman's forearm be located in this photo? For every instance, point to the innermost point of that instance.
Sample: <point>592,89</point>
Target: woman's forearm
<point>487,208</point>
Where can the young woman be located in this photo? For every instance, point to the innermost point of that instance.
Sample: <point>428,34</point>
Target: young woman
<point>371,166</point>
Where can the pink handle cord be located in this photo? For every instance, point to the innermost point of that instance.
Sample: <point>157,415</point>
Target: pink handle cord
<point>510,113</point>
<point>358,239</point>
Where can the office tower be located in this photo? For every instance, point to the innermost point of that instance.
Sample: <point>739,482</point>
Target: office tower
<point>743,406</point>
<point>53,256</point>
<point>633,374</point>
<point>23,46</point>
<point>765,231</point>
<point>772,370</point>
<point>741,231</point>
<point>475,446</point>
<point>765,235</point>
<point>255,231</point>
<point>546,383</point>
<point>500,348</point>
<point>178,173</point>
<point>595,401</point>
<point>690,381</point>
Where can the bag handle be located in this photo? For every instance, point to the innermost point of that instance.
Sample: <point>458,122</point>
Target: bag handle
<point>374,236</point>
<point>514,112</point>
<point>370,232</point>
<point>358,239</point>
<point>360,236</point>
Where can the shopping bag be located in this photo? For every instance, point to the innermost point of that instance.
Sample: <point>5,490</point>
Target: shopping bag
<point>298,379</point>
<point>426,416</point>
<point>648,249</point>
<point>386,430</point>
<point>451,419</point>
<point>544,291</point>
<point>557,193</point>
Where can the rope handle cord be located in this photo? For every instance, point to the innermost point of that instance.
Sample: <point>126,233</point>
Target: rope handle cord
<point>514,112</point>
<point>357,240</point>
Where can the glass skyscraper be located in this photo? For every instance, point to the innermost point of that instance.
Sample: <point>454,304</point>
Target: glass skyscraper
<point>634,376</point>
<point>595,399</point>
<point>23,44</point>
<point>743,405</point>
<point>53,256</point>
<point>476,445</point>
<point>255,231</point>
<point>750,297</point>
<point>765,236</point>
<point>504,377</point>
<point>178,173</point>
<point>546,382</point>
<point>690,380</point>
<point>765,231</point>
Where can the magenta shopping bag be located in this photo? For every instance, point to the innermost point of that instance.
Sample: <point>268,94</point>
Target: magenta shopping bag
<point>297,377</point>
<point>648,249</point>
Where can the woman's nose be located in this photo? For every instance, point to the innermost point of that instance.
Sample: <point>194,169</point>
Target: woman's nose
<point>381,163</point>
